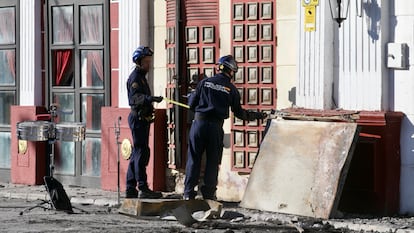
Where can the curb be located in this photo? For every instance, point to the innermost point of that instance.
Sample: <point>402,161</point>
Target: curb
<point>368,228</point>
<point>74,200</point>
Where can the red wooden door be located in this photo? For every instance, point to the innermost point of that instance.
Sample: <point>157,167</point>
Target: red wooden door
<point>254,48</point>
<point>200,45</point>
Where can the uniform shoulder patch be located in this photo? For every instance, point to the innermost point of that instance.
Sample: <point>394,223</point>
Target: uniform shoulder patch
<point>134,85</point>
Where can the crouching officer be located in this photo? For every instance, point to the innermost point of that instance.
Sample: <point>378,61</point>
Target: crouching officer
<point>211,101</point>
<point>139,120</point>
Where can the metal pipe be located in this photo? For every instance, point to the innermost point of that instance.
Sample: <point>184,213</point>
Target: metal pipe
<point>178,41</point>
<point>118,143</point>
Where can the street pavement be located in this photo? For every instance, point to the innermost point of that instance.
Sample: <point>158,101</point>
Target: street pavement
<point>89,196</point>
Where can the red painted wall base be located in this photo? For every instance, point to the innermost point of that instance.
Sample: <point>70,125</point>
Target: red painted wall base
<point>29,167</point>
<point>157,165</point>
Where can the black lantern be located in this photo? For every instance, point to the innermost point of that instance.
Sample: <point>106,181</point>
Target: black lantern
<point>339,10</point>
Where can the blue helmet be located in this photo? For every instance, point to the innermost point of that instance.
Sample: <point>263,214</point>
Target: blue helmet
<point>140,52</point>
<point>227,62</point>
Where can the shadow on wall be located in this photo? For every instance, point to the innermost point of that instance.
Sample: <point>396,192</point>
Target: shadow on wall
<point>292,96</point>
<point>226,140</point>
<point>407,166</point>
<point>373,13</point>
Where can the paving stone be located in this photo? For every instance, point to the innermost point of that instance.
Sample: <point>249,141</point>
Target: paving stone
<point>37,196</point>
<point>82,201</point>
<point>18,195</point>
<point>106,202</point>
<point>5,194</point>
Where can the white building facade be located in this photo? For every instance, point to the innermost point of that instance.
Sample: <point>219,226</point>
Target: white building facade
<point>363,65</point>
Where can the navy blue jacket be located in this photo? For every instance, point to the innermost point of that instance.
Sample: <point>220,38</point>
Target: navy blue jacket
<point>139,93</point>
<point>214,96</point>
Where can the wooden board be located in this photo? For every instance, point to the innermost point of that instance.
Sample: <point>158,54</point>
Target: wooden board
<point>156,207</point>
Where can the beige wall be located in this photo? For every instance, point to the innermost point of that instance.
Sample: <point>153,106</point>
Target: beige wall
<point>158,29</point>
<point>286,52</point>
<point>231,186</point>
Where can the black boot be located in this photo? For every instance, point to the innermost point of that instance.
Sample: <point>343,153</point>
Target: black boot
<point>131,193</point>
<point>148,193</point>
<point>189,196</point>
<point>208,193</point>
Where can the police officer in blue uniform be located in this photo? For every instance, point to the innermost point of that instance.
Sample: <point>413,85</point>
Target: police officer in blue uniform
<point>139,120</point>
<point>211,101</point>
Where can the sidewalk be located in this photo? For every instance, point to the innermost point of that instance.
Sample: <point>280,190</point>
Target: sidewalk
<point>77,195</point>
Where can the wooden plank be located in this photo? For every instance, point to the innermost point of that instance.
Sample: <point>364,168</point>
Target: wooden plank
<point>156,207</point>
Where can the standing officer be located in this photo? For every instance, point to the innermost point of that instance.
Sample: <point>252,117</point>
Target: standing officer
<point>210,102</point>
<point>139,120</point>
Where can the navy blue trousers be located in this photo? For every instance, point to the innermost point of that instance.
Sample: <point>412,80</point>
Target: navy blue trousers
<point>137,174</point>
<point>205,136</point>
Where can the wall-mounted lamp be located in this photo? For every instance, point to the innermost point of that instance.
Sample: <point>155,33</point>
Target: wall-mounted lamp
<point>339,10</point>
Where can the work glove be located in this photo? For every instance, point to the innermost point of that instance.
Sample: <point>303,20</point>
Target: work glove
<point>251,115</point>
<point>156,98</point>
<point>260,115</point>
